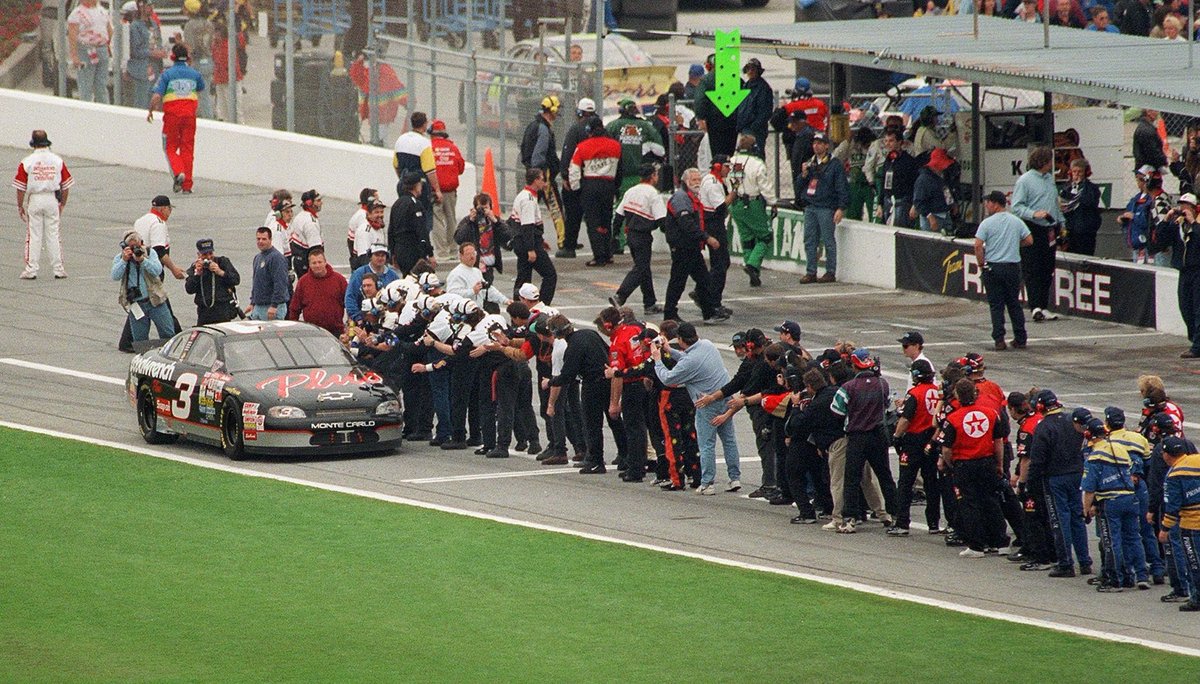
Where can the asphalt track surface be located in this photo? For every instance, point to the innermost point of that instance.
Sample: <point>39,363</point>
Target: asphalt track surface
<point>70,327</point>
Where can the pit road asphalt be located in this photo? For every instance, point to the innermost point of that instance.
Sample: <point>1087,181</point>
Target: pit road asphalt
<point>73,325</point>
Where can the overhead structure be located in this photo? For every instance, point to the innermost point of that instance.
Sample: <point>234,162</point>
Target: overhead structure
<point>1134,71</point>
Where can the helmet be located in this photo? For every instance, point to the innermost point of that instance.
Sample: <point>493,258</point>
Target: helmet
<point>803,86</point>
<point>191,6</point>
<point>550,104</point>
<point>1094,428</point>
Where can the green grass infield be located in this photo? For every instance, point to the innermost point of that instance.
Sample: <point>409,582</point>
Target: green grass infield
<point>115,566</point>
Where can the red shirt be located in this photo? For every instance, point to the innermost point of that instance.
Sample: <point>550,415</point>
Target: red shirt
<point>815,111</point>
<point>449,161</point>
<point>623,351</point>
<point>990,395</point>
<point>320,300</point>
<point>919,406</point>
<point>969,432</point>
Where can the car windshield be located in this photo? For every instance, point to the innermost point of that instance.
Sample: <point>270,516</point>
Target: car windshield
<point>285,353</point>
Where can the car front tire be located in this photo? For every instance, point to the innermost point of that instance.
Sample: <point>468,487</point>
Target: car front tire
<point>148,418</point>
<point>231,430</point>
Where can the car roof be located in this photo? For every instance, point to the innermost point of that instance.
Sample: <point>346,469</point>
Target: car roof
<point>253,328</point>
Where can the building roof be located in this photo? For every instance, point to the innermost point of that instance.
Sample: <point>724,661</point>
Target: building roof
<point>1135,71</point>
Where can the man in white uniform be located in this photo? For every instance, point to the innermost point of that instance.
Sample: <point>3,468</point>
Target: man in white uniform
<point>43,183</point>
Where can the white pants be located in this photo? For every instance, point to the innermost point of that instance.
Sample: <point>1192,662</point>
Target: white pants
<point>223,97</point>
<point>42,210</point>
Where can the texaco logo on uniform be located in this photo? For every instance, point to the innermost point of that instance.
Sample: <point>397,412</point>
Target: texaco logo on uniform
<point>976,424</point>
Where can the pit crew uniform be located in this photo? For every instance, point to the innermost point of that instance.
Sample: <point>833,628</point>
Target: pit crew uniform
<point>528,238</point>
<point>304,234</point>
<point>748,179</point>
<point>180,86</point>
<point>686,236</point>
<point>971,433</point>
<point>593,173</point>
<point>1181,517</point>
<point>642,210</point>
<point>919,404</point>
<point>41,176</point>
<point>625,351</point>
<point>1110,478</point>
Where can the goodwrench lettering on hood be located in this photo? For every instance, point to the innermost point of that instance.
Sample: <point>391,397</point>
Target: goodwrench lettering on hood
<point>316,379</point>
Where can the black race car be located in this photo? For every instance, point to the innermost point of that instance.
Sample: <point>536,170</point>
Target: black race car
<point>269,388</point>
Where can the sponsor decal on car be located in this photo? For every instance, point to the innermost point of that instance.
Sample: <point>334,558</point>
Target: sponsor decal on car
<point>317,379</point>
<point>334,396</point>
<point>250,435</point>
<point>249,409</point>
<point>212,388</point>
<point>162,407</point>
<point>343,425</point>
<point>159,370</point>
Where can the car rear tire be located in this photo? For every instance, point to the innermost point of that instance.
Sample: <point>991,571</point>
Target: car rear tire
<point>231,430</point>
<point>148,418</point>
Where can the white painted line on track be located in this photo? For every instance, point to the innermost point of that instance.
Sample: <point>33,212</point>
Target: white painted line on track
<point>489,476</point>
<point>717,560</point>
<point>1064,338</point>
<point>83,375</point>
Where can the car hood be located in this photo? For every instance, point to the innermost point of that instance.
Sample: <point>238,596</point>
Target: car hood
<point>318,387</point>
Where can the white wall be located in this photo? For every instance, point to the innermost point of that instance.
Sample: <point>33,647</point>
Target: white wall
<point>1166,302</point>
<point>226,152</point>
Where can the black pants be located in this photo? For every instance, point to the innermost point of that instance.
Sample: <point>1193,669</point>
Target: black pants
<point>718,258</point>
<point>1083,241</point>
<point>593,396</point>
<point>464,395</point>
<point>1003,283</point>
<point>1038,543</point>
<point>764,443</point>
<point>220,313</point>
<point>1037,261</point>
<point>497,395</point>
<point>639,275</point>
<point>572,217</point>
<point>633,415</point>
<point>864,448</point>
<point>662,468</point>
<point>677,414</point>
<point>565,424</point>
<point>915,459</point>
<point>1010,507</point>
<point>596,198</point>
<point>688,262</point>
<point>1189,304</point>
<point>981,523</point>
<point>418,393</point>
<point>807,470</point>
<point>524,421</point>
<point>544,267</point>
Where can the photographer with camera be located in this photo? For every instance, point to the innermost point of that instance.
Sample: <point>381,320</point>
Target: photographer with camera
<point>142,294</point>
<point>212,280</point>
<point>483,228</point>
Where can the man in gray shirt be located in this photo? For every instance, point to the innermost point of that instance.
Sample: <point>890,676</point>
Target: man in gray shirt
<point>701,371</point>
<point>1035,201</point>
<point>998,245</point>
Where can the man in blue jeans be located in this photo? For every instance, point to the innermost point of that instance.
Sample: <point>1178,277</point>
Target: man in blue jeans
<point>1056,458</point>
<point>701,371</point>
<point>824,191</point>
<point>142,295</point>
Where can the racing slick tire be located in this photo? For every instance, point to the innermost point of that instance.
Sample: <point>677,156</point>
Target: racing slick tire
<point>231,430</point>
<point>148,418</point>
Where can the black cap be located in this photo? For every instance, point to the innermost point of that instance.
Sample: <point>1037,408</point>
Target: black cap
<point>912,337</point>
<point>1175,446</point>
<point>997,197</point>
<point>1046,398</point>
<point>790,327</point>
<point>1114,416</point>
<point>753,63</point>
<point>204,245</point>
<point>1094,427</point>
<point>720,159</point>
<point>161,201</point>
<point>1081,416</point>
<point>739,339</point>
<point>39,139</point>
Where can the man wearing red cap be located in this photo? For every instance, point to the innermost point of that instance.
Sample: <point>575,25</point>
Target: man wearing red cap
<point>450,165</point>
<point>932,200</point>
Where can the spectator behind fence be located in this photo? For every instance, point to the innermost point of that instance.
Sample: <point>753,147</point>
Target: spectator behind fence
<point>755,111</point>
<point>852,152</point>
<point>450,165</point>
<point>722,130</point>
<point>1081,207</point>
<point>1101,21</point>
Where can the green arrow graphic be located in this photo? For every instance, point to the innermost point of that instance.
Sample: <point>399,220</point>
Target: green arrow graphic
<point>729,92</point>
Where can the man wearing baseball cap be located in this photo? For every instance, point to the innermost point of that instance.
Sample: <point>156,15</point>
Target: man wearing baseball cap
<point>755,110</point>
<point>43,183</point>
<point>825,191</point>
<point>998,243</point>
<point>212,279</point>
<point>585,111</point>
<point>1181,226</point>
<point>638,139</point>
<point>450,165</point>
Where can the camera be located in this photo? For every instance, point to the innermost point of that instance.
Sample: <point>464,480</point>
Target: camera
<point>132,294</point>
<point>138,251</point>
<point>206,263</point>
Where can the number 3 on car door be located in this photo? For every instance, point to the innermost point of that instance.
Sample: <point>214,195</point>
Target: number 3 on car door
<point>181,408</point>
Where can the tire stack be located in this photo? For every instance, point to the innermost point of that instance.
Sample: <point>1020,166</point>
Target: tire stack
<point>326,106</point>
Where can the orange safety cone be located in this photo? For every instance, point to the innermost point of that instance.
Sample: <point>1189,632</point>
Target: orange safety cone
<point>488,186</point>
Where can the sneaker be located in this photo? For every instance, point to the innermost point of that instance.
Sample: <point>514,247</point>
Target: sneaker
<point>991,551</point>
<point>28,276</point>
<point>60,276</point>
<point>653,309</point>
<point>778,499</point>
<point>474,441</point>
<point>1106,588</point>
<point>548,452</point>
<point>846,528</point>
<point>1008,550</point>
<point>954,540</point>
<point>755,280</point>
<point>897,532</point>
<point>564,253</point>
<point>725,310</point>
<point>1173,598</point>
<point>1143,585</point>
<point>483,451</point>
<point>707,490</point>
<point>970,553</point>
<point>1034,566</point>
<point>534,448</point>
<point>1093,581</point>
<point>734,486</point>
<point>804,519</point>
<point>454,445</point>
<point>521,446</point>
<point>760,493</point>
<point>1189,607</point>
<point>937,530</point>
<point>1018,557</point>
<point>716,317</point>
<point>1050,315</point>
<point>1059,571</point>
<point>178,182</point>
<point>1038,315</point>
<point>597,469</point>
<point>832,525</point>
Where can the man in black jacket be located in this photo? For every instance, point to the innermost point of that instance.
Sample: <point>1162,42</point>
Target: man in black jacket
<point>722,130</point>
<point>212,280</point>
<point>408,237</point>
<point>686,237</point>
<point>1147,146</point>
<point>895,182</point>
<point>1176,233</point>
<point>1056,457</point>
<point>754,113</point>
<point>812,427</point>
<point>585,358</point>
<point>585,111</point>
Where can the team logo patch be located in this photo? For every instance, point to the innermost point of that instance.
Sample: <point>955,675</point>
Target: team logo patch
<point>976,424</point>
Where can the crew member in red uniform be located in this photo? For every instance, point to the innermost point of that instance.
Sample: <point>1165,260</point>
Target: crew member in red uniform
<point>816,112</point>
<point>43,184</point>
<point>973,448</point>
<point>991,395</point>
<point>912,435</point>
<point>449,164</point>
<point>628,397</point>
<point>1037,553</point>
<point>178,91</point>
<point>593,172</point>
